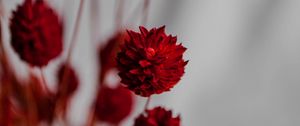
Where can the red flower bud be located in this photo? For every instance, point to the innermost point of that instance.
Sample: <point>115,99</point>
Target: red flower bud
<point>66,88</point>
<point>67,85</point>
<point>108,53</point>
<point>113,104</point>
<point>157,117</point>
<point>36,33</point>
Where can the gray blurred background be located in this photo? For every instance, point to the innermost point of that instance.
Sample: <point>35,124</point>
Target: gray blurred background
<point>244,67</point>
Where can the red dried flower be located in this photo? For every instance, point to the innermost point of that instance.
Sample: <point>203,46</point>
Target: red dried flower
<point>157,117</point>
<point>68,87</point>
<point>113,104</point>
<point>36,33</point>
<point>108,53</point>
<point>150,62</point>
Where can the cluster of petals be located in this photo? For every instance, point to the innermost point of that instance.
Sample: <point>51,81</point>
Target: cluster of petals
<point>36,33</point>
<point>150,62</point>
<point>157,117</point>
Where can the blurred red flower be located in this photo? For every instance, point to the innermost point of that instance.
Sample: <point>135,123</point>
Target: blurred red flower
<point>36,33</point>
<point>67,85</point>
<point>66,88</point>
<point>157,117</point>
<point>150,62</point>
<point>113,104</point>
<point>108,53</point>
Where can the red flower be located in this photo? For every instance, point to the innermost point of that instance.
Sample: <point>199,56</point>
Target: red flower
<point>36,33</point>
<point>150,62</point>
<point>108,53</point>
<point>113,104</point>
<point>67,87</point>
<point>157,117</point>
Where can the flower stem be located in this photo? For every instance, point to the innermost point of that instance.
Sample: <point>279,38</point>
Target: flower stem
<point>70,51</point>
<point>130,20</point>
<point>119,14</point>
<point>72,42</point>
<point>3,57</point>
<point>147,103</point>
<point>145,12</point>
<point>44,85</point>
<point>75,31</point>
<point>91,117</point>
<point>94,21</point>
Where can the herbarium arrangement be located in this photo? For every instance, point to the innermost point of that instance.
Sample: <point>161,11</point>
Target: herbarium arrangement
<point>148,61</point>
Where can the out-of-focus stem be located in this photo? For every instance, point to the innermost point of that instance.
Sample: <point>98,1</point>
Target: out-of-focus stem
<point>119,14</point>
<point>94,21</point>
<point>145,12</point>
<point>91,117</point>
<point>73,42</point>
<point>75,31</point>
<point>147,103</point>
<point>4,60</point>
<point>133,15</point>
<point>44,84</point>
<point>70,51</point>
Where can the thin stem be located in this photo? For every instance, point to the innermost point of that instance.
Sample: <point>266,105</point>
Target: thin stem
<point>73,42</point>
<point>44,85</point>
<point>147,103</point>
<point>32,104</point>
<point>2,10</point>
<point>75,31</point>
<point>145,12</point>
<point>133,14</point>
<point>91,117</point>
<point>4,60</point>
<point>70,52</point>
<point>119,14</point>
<point>94,21</point>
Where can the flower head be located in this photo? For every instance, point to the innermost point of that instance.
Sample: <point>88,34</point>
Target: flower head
<point>36,33</point>
<point>113,104</point>
<point>150,62</point>
<point>67,87</point>
<point>157,117</point>
<point>108,52</point>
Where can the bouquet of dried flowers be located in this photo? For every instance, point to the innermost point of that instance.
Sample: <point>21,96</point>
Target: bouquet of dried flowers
<point>149,62</point>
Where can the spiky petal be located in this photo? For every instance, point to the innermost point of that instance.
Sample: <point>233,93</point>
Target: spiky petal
<point>150,62</point>
<point>36,33</point>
